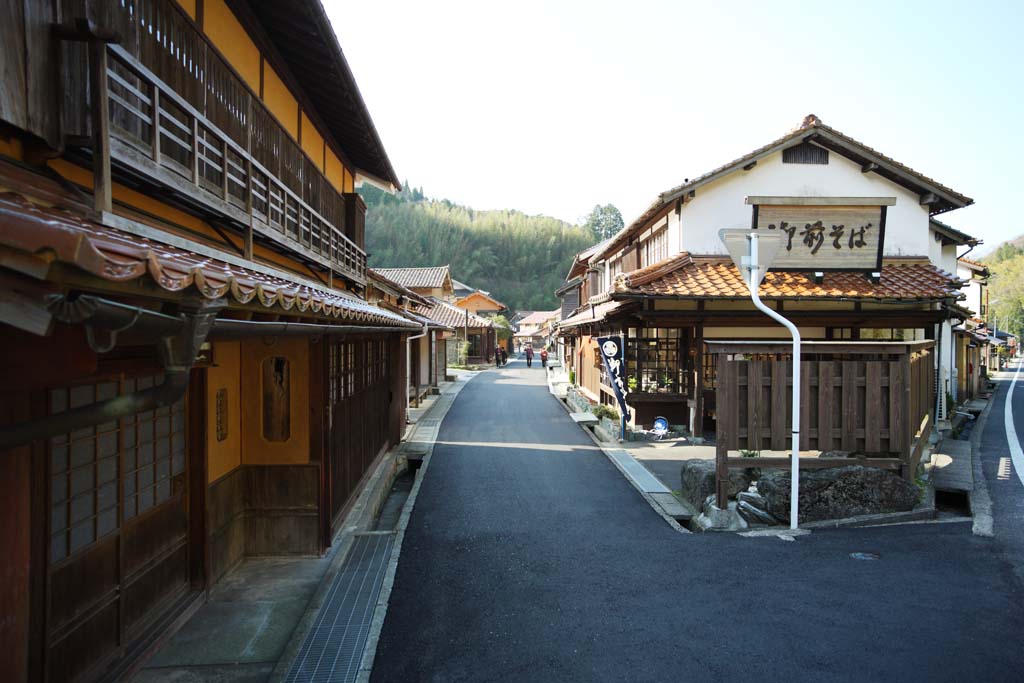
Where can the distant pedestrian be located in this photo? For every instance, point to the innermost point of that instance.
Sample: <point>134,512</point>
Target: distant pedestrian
<point>544,358</point>
<point>529,356</point>
<point>504,356</point>
<point>497,356</point>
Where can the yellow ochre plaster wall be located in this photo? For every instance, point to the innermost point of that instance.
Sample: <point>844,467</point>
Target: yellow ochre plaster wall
<point>189,6</point>
<point>312,142</point>
<point>256,450</point>
<point>234,43</point>
<point>226,373</point>
<point>335,171</point>
<point>280,101</point>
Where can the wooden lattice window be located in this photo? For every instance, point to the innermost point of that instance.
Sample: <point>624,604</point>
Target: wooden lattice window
<point>144,452</point>
<point>805,153</point>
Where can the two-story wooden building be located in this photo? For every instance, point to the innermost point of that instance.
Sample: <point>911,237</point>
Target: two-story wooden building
<point>192,373</point>
<point>876,266</point>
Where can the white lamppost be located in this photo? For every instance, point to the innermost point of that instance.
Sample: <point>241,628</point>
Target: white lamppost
<point>753,252</point>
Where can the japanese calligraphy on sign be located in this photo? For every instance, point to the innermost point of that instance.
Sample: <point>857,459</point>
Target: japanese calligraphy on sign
<point>610,349</point>
<point>825,237</point>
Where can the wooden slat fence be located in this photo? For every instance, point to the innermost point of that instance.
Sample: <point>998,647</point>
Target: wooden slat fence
<point>870,398</point>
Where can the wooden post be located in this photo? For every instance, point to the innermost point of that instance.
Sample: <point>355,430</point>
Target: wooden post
<point>726,404</point>
<point>698,385</point>
<point>195,152</point>
<point>155,124</point>
<point>100,105</point>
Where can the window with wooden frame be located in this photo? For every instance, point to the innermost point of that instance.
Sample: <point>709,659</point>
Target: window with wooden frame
<point>656,360</point>
<point>140,457</point>
<point>655,248</point>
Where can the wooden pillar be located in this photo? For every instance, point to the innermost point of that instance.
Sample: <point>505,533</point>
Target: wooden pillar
<point>100,105</point>
<point>698,384</point>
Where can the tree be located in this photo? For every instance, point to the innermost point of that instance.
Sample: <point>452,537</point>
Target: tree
<point>604,221</point>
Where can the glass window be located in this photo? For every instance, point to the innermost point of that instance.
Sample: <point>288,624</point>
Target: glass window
<point>656,361</point>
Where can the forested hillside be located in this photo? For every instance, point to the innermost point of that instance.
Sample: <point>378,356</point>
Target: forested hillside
<point>520,259</point>
<point>1007,285</point>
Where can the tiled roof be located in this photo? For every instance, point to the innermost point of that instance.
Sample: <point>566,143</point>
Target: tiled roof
<point>451,315</point>
<point>539,317</point>
<point>812,125</point>
<point>118,256</point>
<point>433,276</point>
<point>705,277</point>
<point>589,314</point>
<point>403,291</point>
<point>973,265</point>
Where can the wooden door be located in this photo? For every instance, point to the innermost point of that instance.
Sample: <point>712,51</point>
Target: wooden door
<point>117,524</point>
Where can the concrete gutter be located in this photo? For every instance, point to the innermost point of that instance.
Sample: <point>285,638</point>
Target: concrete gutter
<point>980,500</point>
<point>418,439</point>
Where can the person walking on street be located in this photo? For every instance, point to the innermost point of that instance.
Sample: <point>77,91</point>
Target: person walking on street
<point>504,357</point>
<point>529,356</point>
<point>497,356</point>
<point>544,358</point>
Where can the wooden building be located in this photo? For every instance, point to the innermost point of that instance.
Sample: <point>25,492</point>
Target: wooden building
<point>426,354</point>
<point>476,331</point>
<point>864,260</point>
<point>192,373</point>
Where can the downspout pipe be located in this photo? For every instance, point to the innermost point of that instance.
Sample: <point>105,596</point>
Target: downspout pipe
<point>408,364</point>
<point>177,354</point>
<point>755,284</point>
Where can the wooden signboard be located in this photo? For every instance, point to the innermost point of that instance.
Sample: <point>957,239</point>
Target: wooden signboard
<point>830,234</point>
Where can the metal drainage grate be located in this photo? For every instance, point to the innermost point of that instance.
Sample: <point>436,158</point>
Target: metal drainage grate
<point>333,648</point>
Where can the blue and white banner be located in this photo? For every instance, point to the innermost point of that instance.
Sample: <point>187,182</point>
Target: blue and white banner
<point>614,362</point>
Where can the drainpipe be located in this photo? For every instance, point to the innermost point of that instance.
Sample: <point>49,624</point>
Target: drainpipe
<point>755,284</point>
<point>177,351</point>
<point>408,365</point>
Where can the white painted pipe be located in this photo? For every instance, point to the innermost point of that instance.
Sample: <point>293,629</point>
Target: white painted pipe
<point>755,283</point>
<point>408,365</point>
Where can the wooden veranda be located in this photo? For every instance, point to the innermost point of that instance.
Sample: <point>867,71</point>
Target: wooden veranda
<point>874,400</point>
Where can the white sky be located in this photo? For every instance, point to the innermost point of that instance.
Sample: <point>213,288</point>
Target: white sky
<point>553,107</point>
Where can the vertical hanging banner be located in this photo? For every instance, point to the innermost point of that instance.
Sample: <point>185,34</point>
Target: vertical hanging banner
<point>614,362</point>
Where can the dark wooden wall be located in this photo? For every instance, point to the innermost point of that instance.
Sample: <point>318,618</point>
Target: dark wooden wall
<point>28,80</point>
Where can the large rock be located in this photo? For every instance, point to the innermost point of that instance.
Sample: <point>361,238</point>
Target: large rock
<point>714,518</point>
<point>697,481</point>
<point>838,492</point>
<point>754,515</point>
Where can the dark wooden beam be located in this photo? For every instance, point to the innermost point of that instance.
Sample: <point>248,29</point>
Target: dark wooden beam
<point>751,165</point>
<point>929,198</point>
<point>869,167</point>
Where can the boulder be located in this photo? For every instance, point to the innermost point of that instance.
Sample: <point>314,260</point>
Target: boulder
<point>697,481</point>
<point>838,492</point>
<point>754,515</point>
<point>752,498</point>
<point>714,518</point>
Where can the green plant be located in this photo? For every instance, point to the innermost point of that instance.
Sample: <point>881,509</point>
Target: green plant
<point>749,454</point>
<point>632,382</point>
<point>949,403</point>
<point>602,410</point>
<point>572,377</point>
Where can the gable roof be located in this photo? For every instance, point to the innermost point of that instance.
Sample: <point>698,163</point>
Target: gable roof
<point>975,266</point>
<point>813,130</point>
<point>394,288</point>
<point>430,277</point>
<point>540,317</point>
<point>301,34</point>
<point>451,315</point>
<point>483,295</point>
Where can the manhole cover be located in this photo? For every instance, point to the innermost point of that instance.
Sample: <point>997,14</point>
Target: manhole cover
<point>864,556</point>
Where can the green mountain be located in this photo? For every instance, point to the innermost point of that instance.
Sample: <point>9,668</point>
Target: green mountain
<point>521,260</point>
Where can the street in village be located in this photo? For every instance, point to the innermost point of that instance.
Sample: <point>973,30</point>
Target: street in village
<point>530,557</point>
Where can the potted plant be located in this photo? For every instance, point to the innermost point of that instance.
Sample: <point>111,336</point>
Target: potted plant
<point>632,382</point>
<point>665,383</point>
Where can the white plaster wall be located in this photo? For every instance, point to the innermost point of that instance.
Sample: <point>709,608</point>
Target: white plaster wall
<point>948,260</point>
<point>673,233</point>
<point>973,290</point>
<point>423,348</point>
<point>721,204</point>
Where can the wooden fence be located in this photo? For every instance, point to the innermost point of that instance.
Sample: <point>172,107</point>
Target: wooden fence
<point>872,399</point>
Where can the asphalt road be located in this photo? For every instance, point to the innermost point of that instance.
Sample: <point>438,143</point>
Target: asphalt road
<point>529,558</point>
<point>1004,478</point>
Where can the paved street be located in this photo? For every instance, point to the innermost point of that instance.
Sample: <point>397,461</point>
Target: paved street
<point>1003,475</point>
<point>529,557</point>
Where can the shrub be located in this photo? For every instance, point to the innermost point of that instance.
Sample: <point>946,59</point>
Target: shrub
<point>572,377</point>
<point>605,411</point>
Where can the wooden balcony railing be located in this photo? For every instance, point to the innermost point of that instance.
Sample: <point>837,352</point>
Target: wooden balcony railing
<point>206,138</point>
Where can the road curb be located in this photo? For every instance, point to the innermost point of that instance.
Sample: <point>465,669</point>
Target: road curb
<point>980,500</point>
<point>660,511</point>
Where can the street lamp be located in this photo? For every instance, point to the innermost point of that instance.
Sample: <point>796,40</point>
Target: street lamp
<point>753,252</point>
